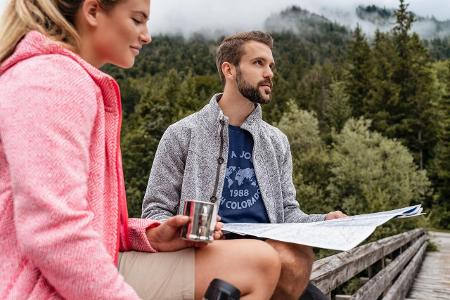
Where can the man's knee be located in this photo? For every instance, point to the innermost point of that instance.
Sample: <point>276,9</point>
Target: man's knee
<point>270,256</point>
<point>296,264</point>
<point>298,256</point>
<point>305,251</point>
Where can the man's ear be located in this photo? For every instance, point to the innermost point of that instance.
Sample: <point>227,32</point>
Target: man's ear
<point>90,10</point>
<point>228,70</point>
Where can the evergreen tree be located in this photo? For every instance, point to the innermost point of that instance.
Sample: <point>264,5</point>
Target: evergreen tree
<point>442,161</point>
<point>411,115</point>
<point>400,98</point>
<point>337,110</point>
<point>359,72</point>
<point>384,92</point>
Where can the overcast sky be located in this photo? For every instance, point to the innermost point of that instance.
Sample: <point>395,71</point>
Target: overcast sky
<point>225,16</point>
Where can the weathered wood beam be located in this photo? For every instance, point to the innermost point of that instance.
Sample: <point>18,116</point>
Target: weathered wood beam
<point>330,272</point>
<point>383,279</point>
<point>400,288</point>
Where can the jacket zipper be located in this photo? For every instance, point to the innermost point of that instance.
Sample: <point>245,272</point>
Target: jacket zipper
<point>220,161</point>
<point>122,222</point>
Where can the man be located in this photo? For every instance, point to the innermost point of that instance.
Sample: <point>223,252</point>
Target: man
<point>227,152</point>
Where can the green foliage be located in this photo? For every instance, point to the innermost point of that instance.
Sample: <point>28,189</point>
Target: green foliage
<point>362,171</point>
<point>359,72</point>
<point>310,158</point>
<point>337,109</point>
<point>317,92</point>
<point>372,173</point>
<point>439,48</point>
<point>392,84</point>
<point>324,76</point>
<point>441,163</point>
<point>432,247</point>
<point>382,91</point>
<point>146,125</point>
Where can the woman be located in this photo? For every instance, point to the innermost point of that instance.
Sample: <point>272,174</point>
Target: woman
<point>62,197</point>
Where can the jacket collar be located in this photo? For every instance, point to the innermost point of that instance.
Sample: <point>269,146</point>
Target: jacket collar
<point>212,114</point>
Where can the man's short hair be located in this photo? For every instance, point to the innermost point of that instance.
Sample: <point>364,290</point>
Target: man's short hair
<point>231,48</point>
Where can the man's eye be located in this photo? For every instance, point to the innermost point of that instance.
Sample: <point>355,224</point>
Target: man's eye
<point>258,62</point>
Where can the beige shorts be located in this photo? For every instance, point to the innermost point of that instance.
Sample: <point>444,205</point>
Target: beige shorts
<point>163,275</point>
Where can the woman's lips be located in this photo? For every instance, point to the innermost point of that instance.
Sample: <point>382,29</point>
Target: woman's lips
<point>135,50</point>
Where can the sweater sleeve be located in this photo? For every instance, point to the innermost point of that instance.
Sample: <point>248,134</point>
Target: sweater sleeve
<point>137,229</point>
<point>46,119</point>
<point>163,192</point>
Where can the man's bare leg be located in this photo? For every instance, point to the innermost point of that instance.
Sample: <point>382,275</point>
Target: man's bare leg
<point>296,264</point>
<point>250,265</point>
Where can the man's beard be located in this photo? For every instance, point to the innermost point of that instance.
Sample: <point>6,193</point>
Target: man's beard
<point>250,92</point>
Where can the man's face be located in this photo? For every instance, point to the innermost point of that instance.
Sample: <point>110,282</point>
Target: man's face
<point>255,72</point>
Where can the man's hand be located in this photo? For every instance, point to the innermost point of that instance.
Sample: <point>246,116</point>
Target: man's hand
<point>166,237</point>
<point>218,234</point>
<point>335,215</point>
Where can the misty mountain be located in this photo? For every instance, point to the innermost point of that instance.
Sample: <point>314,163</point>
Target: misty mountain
<point>427,27</point>
<point>335,28</point>
<point>339,23</point>
<point>305,24</point>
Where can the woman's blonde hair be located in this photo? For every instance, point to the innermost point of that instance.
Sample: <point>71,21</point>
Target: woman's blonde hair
<point>53,18</point>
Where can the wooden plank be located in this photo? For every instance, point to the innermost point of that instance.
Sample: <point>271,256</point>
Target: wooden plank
<point>433,279</point>
<point>330,272</point>
<point>401,286</point>
<point>342,297</point>
<point>379,283</point>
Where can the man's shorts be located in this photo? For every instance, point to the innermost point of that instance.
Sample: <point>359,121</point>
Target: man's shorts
<point>163,275</point>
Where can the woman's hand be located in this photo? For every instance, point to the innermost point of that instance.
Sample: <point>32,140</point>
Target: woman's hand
<point>166,237</point>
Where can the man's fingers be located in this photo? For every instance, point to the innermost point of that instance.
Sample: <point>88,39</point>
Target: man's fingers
<point>219,226</point>
<point>337,214</point>
<point>341,214</point>
<point>218,235</point>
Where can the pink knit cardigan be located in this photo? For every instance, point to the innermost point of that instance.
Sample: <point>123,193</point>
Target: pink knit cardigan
<point>63,210</point>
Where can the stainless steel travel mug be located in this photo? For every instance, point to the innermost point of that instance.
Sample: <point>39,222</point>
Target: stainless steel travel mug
<point>203,216</point>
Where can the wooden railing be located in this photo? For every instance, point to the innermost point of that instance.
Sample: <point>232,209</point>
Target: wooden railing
<point>387,266</point>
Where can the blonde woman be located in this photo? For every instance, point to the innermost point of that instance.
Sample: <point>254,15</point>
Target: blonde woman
<point>63,214</point>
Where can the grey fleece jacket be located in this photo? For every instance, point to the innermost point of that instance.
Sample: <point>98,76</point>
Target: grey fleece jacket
<point>191,160</point>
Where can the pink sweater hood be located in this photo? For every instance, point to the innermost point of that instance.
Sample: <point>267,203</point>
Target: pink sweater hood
<point>62,197</point>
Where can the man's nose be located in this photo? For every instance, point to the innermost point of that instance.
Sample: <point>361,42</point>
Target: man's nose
<point>268,73</point>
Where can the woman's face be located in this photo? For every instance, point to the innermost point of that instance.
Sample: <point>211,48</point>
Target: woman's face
<point>121,32</point>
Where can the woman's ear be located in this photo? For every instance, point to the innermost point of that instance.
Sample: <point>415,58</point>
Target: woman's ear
<point>90,10</point>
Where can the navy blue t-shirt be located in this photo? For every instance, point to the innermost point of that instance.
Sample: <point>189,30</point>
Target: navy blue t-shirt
<point>241,200</point>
